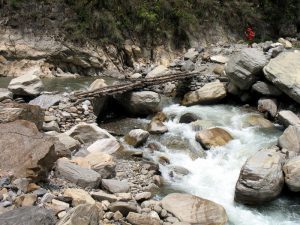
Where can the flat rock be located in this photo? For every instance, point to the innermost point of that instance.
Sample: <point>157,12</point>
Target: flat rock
<point>213,137</point>
<point>88,133</point>
<point>291,171</point>
<point>46,101</point>
<point>25,151</point>
<point>195,210</point>
<point>105,145</point>
<point>287,118</point>
<point>28,216</point>
<point>115,186</point>
<point>81,176</point>
<point>261,178</point>
<point>219,59</point>
<point>79,196</point>
<point>244,67</point>
<point>139,219</point>
<point>123,207</point>
<point>80,215</point>
<point>102,196</point>
<point>26,85</point>
<point>284,72</point>
<point>209,93</point>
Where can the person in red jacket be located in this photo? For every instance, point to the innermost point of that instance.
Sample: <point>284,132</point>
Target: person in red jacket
<point>249,34</point>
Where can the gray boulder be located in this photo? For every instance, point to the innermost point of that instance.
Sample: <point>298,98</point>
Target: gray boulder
<point>141,102</point>
<point>261,178</point>
<point>45,101</point>
<point>287,118</point>
<point>123,207</point>
<point>292,174</point>
<point>290,140</point>
<point>28,216</point>
<point>244,68</point>
<point>284,72</point>
<point>157,71</point>
<point>83,177</point>
<point>195,210</point>
<point>187,66</point>
<point>26,85</point>
<point>266,89</point>
<point>115,186</point>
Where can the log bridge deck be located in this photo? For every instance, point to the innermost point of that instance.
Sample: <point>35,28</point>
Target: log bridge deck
<point>133,85</point>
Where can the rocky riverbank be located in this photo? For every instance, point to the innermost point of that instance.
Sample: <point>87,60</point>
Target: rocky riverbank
<point>58,166</point>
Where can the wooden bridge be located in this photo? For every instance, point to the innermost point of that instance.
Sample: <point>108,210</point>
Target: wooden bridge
<point>134,85</point>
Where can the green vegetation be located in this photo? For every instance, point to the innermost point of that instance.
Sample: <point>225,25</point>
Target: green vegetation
<point>151,22</point>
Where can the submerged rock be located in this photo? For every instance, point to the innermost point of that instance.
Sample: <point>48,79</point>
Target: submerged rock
<point>261,178</point>
<point>292,174</point>
<point>188,118</point>
<point>257,121</point>
<point>26,85</point>
<point>284,72</point>
<point>195,210</point>
<point>244,68</point>
<point>209,93</point>
<point>213,137</point>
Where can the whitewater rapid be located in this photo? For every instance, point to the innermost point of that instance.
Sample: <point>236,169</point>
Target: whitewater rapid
<point>214,177</point>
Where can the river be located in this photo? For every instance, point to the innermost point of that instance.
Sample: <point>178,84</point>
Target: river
<point>214,176</point>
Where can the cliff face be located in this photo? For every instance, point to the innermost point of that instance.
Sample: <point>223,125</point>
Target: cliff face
<point>92,37</point>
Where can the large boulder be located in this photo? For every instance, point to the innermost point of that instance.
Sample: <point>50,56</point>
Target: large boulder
<point>290,140</point>
<point>268,106</point>
<point>244,68</point>
<point>261,178</point>
<point>140,102</point>
<point>284,72</point>
<point>28,216</point>
<point>287,118</point>
<point>213,137</point>
<point>88,133</point>
<point>82,214</point>
<point>17,111</point>
<point>25,151</point>
<point>195,210</point>
<point>292,174</point>
<point>83,177</point>
<point>209,93</point>
<point>26,85</point>
<point>137,137</point>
